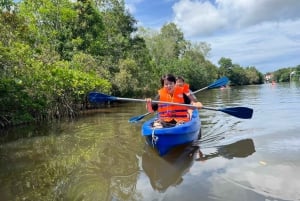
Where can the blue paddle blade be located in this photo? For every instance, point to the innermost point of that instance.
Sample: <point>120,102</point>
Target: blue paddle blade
<point>96,97</point>
<point>138,118</point>
<point>220,82</point>
<point>240,112</point>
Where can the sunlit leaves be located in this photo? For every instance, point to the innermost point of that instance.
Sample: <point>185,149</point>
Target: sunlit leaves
<point>34,88</point>
<point>126,79</point>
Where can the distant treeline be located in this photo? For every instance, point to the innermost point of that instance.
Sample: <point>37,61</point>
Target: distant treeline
<point>53,52</point>
<point>286,74</point>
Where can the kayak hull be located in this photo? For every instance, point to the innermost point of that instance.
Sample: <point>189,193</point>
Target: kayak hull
<point>164,139</point>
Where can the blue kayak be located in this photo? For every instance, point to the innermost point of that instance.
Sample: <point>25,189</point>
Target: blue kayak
<point>164,139</point>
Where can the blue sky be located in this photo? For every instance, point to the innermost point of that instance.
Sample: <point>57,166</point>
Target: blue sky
<point>260,33</point>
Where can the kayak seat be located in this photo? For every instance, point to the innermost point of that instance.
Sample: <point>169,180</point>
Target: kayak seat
<point>162,124</point>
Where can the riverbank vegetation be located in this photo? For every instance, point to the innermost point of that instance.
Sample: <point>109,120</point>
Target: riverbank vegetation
<point>52,53</point>
<point>287,74</point>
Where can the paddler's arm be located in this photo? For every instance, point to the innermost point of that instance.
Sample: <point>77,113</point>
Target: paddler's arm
<point>155,105</point>
<point>191,96</point>
<point>150,106</point>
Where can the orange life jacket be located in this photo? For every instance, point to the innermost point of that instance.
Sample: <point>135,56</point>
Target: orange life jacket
<point>168,112</point>
<point>186,89</point>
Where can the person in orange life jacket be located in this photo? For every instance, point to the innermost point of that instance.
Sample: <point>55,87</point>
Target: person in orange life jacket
<point>188,96</point>
<point>168,113</point>
<point>186,89</point>
<point>151,107</point>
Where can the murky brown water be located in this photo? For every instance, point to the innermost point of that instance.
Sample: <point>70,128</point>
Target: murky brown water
<point>103,157</point>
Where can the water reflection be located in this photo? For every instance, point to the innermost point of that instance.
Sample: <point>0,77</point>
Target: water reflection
<point>168,170</point>
<point>102,157</point>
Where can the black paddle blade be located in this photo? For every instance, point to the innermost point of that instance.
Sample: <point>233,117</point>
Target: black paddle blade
<point>96,97</point>
<point>219,83</point>
<point>240,112</point>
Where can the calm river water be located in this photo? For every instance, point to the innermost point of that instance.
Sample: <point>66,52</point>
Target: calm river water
<point>104,157</point>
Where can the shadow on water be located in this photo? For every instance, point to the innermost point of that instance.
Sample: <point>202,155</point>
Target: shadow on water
<point>23,132</point>
<point>167,171</point>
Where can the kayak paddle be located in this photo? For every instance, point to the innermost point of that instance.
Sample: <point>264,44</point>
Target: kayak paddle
<point>220,82</point>
<point>240,112</point>
<point>137,118</point>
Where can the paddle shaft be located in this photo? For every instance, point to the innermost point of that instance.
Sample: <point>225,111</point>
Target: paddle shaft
<point>137,118</point>
<point>199,90</point>
<point>153,101</point>
<point>211,108</point>
<point>220,82</point>
<point>240,112</point>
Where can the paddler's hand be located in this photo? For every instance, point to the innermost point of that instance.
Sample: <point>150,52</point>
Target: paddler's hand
<point>197,104</point>
<point>149,105</point>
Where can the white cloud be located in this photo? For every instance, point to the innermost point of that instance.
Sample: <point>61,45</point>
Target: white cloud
<point>260,33</point>
<point>278,181</point>
<point>263,33</point>
<point>131,5</point>
<point>197,17</point>
<point>263,46</point>
<point>204,17</point>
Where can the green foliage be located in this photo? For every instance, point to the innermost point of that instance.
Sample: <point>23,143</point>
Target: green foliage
<point>125,80</point>
<point>88,28</point>
<point>284,74</point>
<point>225,66</point>
<point>53,52</point>
<point>171,53</point>
<point>75,83</point>
<point>118,28</point>
<point>31,89</point>
<point>239,75</point>
<point>51,24</point>
<point>12,28</point>
<point>254,76</point>
<point>174,42</point>
<point>7,5</point>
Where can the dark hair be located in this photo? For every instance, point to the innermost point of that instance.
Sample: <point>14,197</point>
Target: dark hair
<point>179,78</point>
<point>169,77</point>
